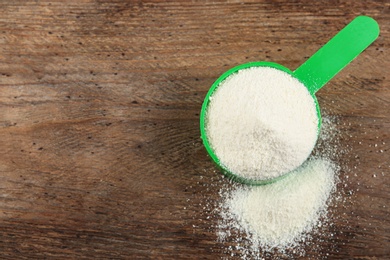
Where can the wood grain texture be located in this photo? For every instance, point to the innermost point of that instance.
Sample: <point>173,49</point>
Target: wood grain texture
<point>101,154</point>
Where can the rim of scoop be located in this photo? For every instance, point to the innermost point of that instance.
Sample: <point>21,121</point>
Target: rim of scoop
<point>230,175</point>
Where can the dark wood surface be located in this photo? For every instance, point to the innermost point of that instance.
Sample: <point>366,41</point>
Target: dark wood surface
<point>100,146</point>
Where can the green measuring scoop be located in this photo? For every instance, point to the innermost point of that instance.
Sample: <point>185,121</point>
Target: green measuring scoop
<point>314,74</point>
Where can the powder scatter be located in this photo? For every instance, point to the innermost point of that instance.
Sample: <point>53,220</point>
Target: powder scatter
<point>279,215</point>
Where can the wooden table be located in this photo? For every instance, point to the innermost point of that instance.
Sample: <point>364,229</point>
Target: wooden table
<point>101,154</point>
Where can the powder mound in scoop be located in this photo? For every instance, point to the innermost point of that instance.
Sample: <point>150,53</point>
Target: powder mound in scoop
<point>261,123</point>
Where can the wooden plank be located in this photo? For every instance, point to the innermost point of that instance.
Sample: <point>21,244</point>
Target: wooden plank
<point>101,154</point>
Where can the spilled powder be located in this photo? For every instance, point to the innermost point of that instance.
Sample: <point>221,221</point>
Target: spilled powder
<point>276,215</point>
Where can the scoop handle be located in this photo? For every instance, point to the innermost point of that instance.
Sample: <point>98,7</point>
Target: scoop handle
<point>337,53</point>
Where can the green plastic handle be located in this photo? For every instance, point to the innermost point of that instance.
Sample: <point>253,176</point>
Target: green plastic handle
<point>337,53</point>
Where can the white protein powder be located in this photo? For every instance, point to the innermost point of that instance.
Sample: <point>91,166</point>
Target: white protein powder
<point>277,215</point>
<point>261,123</point>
